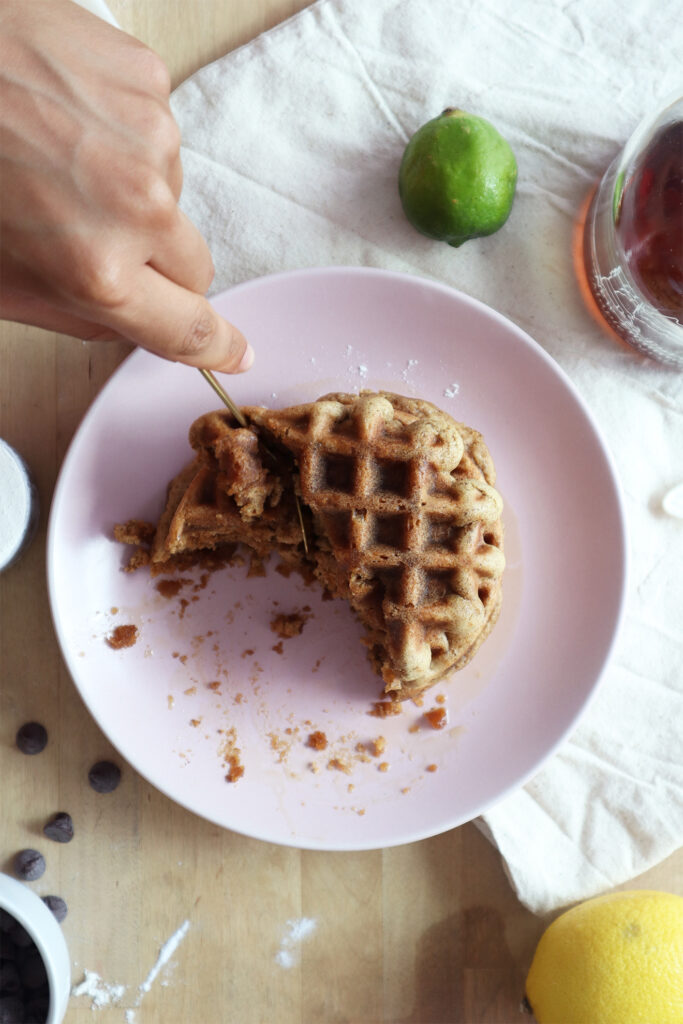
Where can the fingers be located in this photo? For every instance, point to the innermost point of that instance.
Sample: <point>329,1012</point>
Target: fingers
<point>28,309</point>
<point>178,324</point>
<point>183,256</point>
<point>175,176</point>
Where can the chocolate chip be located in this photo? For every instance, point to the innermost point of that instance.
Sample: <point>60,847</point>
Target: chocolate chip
<point>60,827</point>
<point>57,905</point>
<point>9,977</point>
<point>11,1010</point>
<point>7,922</point>
<point>104,776</point>
<point>29,865</point>
<point>38,1008</point>
<point>32,738</point>
<point>33,973</point>
<point>20,937</point>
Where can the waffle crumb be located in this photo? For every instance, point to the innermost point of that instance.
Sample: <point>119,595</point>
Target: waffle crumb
<point>236,769</point>
<point>317,740</point>
<point>122,636</point>
<point>336,764</point>
<point>286,626</point>
<point>169,588</point>
<point>385,708</point>
<point>378,746</point>
<point>436,717</point>
<point>229,753</point>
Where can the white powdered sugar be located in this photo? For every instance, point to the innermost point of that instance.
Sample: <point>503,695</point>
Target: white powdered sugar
<point>102,993</point>
<point>165,954</point>
<point>17,505</point>
<point>408,367</point>
<point>451,391</point>
<point>297,932</point>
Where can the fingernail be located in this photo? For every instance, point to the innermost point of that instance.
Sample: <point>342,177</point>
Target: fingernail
<point>247,359</point>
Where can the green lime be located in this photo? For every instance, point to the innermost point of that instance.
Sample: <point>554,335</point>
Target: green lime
<point>457,178</point>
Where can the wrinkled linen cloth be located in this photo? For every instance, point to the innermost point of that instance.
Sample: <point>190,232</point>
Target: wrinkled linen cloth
<point>291,150</point>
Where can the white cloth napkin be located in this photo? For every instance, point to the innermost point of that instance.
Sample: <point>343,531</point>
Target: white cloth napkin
<point>291,151</point>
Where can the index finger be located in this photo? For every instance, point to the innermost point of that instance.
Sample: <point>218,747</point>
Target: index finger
<point>178,324</point>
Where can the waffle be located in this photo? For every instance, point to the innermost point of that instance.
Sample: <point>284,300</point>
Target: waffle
<point>399,508</point>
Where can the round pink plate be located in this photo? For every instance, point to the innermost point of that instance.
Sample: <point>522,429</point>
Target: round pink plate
<point>208,680</point>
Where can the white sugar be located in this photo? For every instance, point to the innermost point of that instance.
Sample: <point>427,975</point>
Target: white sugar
<point>165,954</point>
<point>451,391</point>
<point>16,503</point>
<point>363,370</point>
<point>297,932</point>
<point>408,367</point>
<point>100,992</point>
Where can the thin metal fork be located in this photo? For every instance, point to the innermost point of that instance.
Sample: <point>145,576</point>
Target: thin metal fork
<point>241,419</point>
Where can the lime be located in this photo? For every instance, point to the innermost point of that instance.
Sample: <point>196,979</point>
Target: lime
<point>615,959</point>
<point>457,178</point>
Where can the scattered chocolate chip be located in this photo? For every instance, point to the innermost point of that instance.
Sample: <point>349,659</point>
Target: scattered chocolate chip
<point>57,905</point>
<point>104,776</point>
<point>32,738</point>
<point>60,827</point>
<point>29,865</point>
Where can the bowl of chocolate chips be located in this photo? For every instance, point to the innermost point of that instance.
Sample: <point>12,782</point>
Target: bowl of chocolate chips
<point>35,969</point>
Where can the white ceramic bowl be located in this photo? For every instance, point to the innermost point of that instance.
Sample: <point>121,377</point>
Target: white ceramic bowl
<point>29,910</point>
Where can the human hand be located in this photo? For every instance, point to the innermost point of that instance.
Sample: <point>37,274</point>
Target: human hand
<point>92,241</point>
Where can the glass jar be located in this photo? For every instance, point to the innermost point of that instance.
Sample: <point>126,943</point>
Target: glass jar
<point>633,239</point>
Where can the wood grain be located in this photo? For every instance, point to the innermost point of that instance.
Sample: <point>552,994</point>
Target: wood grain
<point>429,933</point>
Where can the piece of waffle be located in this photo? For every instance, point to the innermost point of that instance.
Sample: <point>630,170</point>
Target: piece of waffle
<point>401,516</point>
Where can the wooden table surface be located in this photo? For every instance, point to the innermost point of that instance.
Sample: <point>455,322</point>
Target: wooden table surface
<point>429,932</point>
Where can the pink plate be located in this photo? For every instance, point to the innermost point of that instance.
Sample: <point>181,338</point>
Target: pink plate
<point>316,331</point>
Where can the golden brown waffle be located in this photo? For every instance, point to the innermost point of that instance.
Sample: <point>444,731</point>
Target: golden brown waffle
<point>401,515</point>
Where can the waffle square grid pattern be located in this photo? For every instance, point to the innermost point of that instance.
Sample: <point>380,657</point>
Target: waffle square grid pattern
<point>397,504</point>
<point>402,495</point>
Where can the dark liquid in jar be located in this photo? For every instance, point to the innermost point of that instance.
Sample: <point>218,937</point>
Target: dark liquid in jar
<point>649,221</point>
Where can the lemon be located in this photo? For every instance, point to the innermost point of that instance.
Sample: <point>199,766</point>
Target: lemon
<point>615,959</point>
<point>457,178</point>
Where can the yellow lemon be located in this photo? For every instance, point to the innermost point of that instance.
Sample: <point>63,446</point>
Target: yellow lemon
<point>615,959</point>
